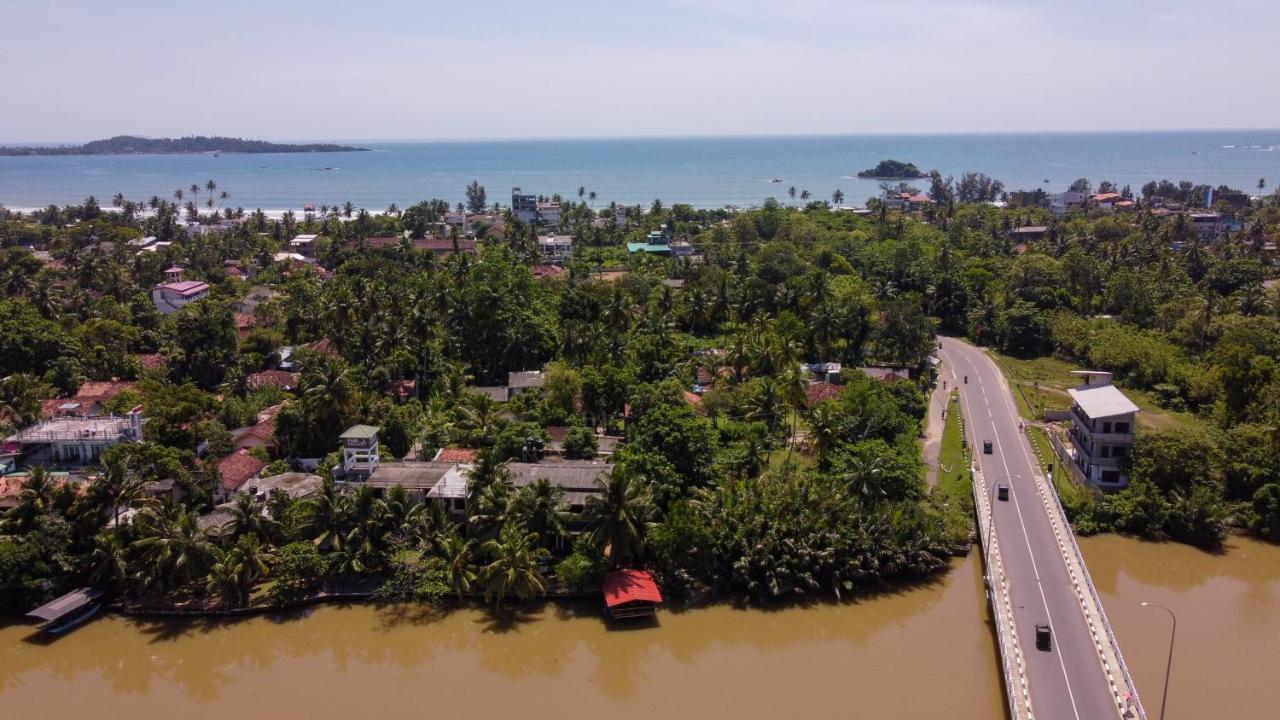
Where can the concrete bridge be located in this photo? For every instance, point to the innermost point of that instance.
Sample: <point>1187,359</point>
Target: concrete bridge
<point>1035,573</point>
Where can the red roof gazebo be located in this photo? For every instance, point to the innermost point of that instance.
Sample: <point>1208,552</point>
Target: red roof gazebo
<point>630,593</point>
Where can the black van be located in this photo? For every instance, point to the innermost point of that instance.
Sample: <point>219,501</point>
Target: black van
<point>986,447</point>
<point>1002,492</point>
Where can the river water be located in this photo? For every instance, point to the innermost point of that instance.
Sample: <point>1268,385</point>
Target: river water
<point>922,652</point>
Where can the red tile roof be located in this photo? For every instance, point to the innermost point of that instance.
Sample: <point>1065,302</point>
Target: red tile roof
<point>456,455</point>
<point>547,271</point>
<point>817,392</point>
<point>238,467</point>
<point>624,586</point>
<point>273,378</point>
<point>152,360</point>
<point>324,346</point>
<point>692,398</point>
<point>245,321</point>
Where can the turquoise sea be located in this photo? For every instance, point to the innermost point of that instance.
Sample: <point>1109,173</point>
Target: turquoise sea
<point>706,172</point>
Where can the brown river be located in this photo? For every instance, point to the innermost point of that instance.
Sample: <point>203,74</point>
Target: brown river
<point>922,652</point>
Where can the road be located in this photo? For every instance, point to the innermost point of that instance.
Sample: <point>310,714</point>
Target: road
<point>1068,681</point>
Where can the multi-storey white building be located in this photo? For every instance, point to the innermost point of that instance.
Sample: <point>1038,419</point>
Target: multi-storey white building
<point>1102,429</point>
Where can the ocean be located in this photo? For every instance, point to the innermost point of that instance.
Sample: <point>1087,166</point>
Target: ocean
<point>704,172</point>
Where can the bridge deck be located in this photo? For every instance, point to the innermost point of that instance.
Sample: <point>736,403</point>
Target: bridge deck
<point>1037,575</point>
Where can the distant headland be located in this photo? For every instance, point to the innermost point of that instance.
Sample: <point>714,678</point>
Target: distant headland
<point>135,145</point>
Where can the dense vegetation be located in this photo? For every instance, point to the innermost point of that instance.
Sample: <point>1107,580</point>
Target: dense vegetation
<point>135,145</point>
<point>752,492</point>
<point>892,170</point>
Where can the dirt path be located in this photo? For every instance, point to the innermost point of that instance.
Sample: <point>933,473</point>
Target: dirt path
<point>931,442</point>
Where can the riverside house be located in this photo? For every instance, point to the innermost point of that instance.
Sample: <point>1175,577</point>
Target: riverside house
<point>1102,429</point>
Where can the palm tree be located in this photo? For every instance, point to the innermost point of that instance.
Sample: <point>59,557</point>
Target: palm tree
<point>457,558</point>
<point>393,209</point>
<point>34,500</point>
<point>804,196</point>
<point>825,423</point>
<point>792,192</point>
<point>248,518</point>
<point>490,508</point>
<point>540,508</point>
<point>348,209</point>
<point>591,197</point>
<point>20,396</point>
<point>237,569</point>
<point>513,566</point>
<point>837,197</point>
<point>174,547</point>
<point>619,516</point>
<point>323,516</point>
<point>110,561</point>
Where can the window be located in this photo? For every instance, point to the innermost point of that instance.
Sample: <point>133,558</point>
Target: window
<point>1106,427</point>
<point>1119,451</point>
<point>1106,451</point>
<point>1111,477</point>
<point>1122,427</point>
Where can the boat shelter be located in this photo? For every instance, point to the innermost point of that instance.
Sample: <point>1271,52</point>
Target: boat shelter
<point>64,611</point>
<point>630,594</point>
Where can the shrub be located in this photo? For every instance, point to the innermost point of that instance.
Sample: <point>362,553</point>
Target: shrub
<point>580,443</point>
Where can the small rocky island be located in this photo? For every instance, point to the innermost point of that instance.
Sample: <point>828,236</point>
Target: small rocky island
<point>195,144</point>
<point>893,170</point>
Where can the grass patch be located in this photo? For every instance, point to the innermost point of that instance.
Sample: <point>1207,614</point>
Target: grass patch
<point>1075,500</point>
<point>953,494</point>
<point>1040,384</point>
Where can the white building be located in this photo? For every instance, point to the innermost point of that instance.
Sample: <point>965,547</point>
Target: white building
<point>620,215</point>
<point>549,213</point>
<point>68,440</point>
<point>304,245</point>
<point>1102,429</point>
<point>176,292</point>
<point>555,249</point>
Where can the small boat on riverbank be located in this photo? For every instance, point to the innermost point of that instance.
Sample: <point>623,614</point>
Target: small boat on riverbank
<point>67,612</point>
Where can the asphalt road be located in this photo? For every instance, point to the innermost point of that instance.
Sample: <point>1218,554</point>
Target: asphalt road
<point>1068,681</point>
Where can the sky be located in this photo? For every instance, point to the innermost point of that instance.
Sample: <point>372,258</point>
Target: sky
<point>76,70</point>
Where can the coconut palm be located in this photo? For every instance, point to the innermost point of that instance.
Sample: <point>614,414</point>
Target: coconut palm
<point>20,396</point>
<point>323,516</point>
<point>176,550</point>
<point>490,508</point>
<point>540,508</point>
<point>513,566</point>
<point>457,559</point>
<point>248,518</point>
<point>110,561</point>
<point>236,570</point>
<point>619,516</point>
<point>837,198</point>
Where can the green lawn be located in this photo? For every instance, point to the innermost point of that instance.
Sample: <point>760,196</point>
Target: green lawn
<point>1041,383</point>
<point>953,494</point>
<point>1074,498</point>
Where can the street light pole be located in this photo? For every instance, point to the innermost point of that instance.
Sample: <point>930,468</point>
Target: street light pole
<point>1173,634</point>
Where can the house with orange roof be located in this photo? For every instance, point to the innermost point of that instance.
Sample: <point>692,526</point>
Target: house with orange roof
<point>235,470</point>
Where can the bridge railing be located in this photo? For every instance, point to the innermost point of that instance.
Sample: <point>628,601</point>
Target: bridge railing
<point>1015,674</point>
<point>1128,701</point>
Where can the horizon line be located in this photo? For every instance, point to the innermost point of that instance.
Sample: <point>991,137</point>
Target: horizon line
<point>661,136</point>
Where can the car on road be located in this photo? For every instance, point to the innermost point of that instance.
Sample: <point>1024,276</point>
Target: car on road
<point>1044,637</point>
<point>1002,492</point>
<point>986,447</point>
